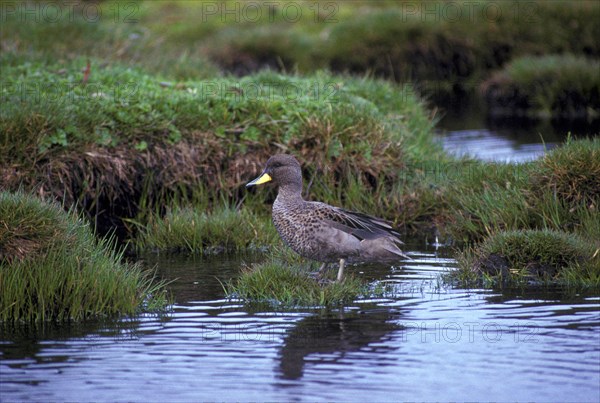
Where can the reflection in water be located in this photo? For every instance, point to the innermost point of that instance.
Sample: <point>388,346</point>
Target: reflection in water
<point>25,342</point>
<point>332,336</point>
<point>197,277</point>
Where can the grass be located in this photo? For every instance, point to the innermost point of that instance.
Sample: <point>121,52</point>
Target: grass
<point>542,216</point>
<point>512,258</point>
<point>122,141</point>
<point>119,33</point>
<point>444,47</point>
<point>559,191</point>
<point>53,268</point>
<point>485,198</point>
<point>283,280</point>
<point>425,41</point>
<point>185,229</point>
<point>428,42</point>
<point>571,173</point>
<point>559,86</point>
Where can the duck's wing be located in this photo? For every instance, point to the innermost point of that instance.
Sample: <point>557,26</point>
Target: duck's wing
<point>362,226</point>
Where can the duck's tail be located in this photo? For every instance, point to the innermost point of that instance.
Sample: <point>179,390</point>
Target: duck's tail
<point>392,246</point>
<point>383,249</point>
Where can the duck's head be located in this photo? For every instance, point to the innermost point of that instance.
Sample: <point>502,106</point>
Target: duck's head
<point>282,170</point>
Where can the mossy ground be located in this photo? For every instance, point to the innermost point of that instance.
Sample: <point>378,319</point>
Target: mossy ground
<point>53,268</point>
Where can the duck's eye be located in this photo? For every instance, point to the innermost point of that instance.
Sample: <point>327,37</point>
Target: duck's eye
<point>276,165</point>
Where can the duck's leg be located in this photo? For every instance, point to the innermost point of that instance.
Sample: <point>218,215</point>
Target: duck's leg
<point>340,275</point>
<point>320,273</point>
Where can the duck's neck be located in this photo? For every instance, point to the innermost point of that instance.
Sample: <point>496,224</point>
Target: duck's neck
<point>290,192</point>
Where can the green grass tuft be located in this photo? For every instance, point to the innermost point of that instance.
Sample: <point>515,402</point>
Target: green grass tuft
<point>571,173</point>
<point>558,192</point>
<point>52,267</point>
<point>283,280</point>
<point>521,257</point>
<point>486,198</point>
<point>529,222</point>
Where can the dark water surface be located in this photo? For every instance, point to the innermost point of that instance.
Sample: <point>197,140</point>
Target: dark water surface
<point>423,342</point>
<point>466,129</point>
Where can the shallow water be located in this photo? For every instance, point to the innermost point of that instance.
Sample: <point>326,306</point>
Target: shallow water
<point>424,342</point>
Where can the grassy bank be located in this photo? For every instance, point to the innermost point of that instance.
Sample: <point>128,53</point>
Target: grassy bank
<point>455,43</point>
<point>284,280</point>
<point>124,144</point>
<point>53,268</point>
<point>560,86</point>
<point>443,47</point>
<point>448,44</point>
<point>111,31</point>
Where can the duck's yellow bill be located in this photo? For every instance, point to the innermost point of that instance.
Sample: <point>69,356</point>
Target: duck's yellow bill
<point>264,178</point>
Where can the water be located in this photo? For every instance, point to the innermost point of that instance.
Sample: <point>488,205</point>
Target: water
<point>465,129</point>
<point>424,342</point>
<point>494,145</point>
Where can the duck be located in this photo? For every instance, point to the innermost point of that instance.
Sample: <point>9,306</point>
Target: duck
<point>321,232</point>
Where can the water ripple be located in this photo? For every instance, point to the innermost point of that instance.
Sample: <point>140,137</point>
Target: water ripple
<point>423,342</point>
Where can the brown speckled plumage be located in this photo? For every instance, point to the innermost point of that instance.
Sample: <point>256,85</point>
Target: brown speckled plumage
<point>322,232</point>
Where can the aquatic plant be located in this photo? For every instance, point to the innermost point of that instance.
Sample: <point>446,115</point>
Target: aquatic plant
<point>53,268</point>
